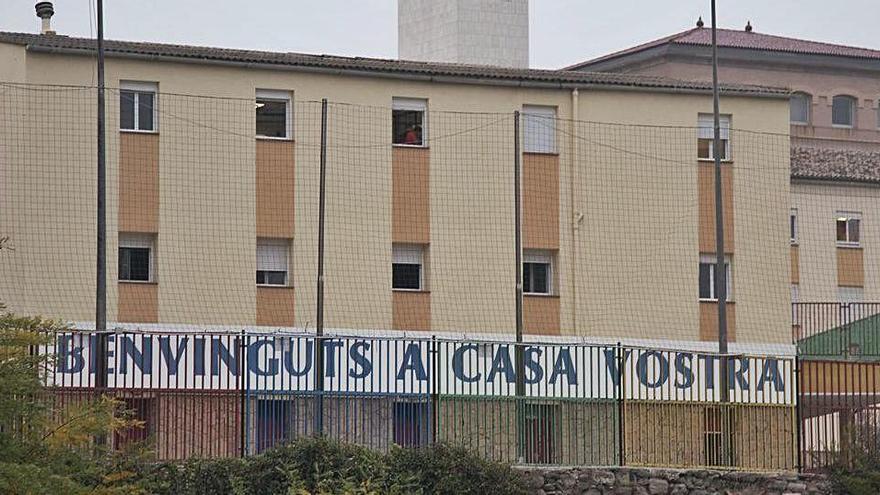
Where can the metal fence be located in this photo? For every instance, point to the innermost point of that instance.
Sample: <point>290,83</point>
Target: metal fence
<point>839,381</point>
<point>223,394</point>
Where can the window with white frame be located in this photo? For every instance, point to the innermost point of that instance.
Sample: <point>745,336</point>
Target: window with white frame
<point>537,272</point>
<point>272,261</point>
<point>795,293</point>
<point>539,129</point>
<point>848,227</point>
<point>137,257</point>
<point>407,267</point>
<point>273,114</point>
<point>409,121</point>
<point>138,106</point>
<point>800,104</point>
<point>843,111</point>
<point>707,277</point>
<point>706,137</point>
<point>793,225</point>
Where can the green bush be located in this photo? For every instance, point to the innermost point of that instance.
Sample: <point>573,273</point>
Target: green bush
<point>857,471</point>
<point>324,466</point>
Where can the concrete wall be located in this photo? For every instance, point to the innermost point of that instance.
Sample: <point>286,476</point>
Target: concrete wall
<point>483,32</point>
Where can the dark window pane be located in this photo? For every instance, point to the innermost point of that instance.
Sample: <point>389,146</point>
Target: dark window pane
<point>126,110</point>
<point>705,280</point>
<point>703,148</point>
<point>406,276</point>
<point>793,227</point>
<point>406,127</point>
<point>267,277</point>
<point>538,279</point>
<point>272,118</point>
<point>841,230</point>
<point>145,111</point>
<point>134,264</point>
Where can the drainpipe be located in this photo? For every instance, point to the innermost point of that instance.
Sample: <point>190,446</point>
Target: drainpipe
<point>576,215</point>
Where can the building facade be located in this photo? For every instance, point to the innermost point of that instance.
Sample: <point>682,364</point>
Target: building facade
<point>835,139</point>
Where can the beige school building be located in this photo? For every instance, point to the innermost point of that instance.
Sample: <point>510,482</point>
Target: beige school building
<point>204,191</point>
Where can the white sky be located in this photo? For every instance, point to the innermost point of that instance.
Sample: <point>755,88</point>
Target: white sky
<point>562,31</point>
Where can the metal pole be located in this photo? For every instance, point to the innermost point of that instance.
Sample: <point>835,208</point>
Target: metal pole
<point>319,330</point>
<point>720,271</point>
<point>101,258</point>
<point>518,350</point>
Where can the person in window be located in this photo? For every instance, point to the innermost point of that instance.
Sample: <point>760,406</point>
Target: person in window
<point>411,136</point>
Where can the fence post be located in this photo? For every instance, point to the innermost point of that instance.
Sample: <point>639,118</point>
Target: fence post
<point>435,391</point>
<point>242,369</point>
<point>796,394</point>
<point>519,365</point>
<point>620,392</point>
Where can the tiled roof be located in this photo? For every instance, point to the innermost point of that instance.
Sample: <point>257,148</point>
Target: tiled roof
<point>834,164</point>
<point>368,66</point>
<point>730,38</point>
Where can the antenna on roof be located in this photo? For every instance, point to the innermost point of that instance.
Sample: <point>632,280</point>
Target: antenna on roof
<point>700,22</point>
<point>748,26</point>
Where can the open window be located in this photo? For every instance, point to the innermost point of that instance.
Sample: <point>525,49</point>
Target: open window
<point>793,225</point>
<point>848,225</point>
<point>708,275</point>
<point>409,121</point>
<point>137,106</point>
<point>272,258</point>
<point>706,137</point>
<point>137,257</point>
<point>273,114</point>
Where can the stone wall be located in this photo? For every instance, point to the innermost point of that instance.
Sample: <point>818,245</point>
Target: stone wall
<point>637,481</point>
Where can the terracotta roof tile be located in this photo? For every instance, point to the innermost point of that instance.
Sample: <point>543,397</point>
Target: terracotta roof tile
<point>730,38</point>
<point>834,164</point>
<point>475,73</point>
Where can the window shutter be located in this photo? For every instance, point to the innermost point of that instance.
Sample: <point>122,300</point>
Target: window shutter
<point>539,129</point>
<point>706,126</point>
<point>272,256</point>
<point>410,255</point>
<point>412,104</point>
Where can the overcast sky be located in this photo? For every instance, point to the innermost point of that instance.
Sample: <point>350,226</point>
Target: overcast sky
<point>562,31</point>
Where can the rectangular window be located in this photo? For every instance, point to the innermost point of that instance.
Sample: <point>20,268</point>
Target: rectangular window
<point>539,129</point>
<point>137,106</point>
<point>407,267</point>
<point>707,278</point>
<point>409,122</point>
<point>272,256</point>
<point>136,257</point>
<point>795,293</point>
<point>848,225</point>
<point>412,423</point>
<point>706,137</point>
<point>793,225</point>
<point>273,114</point>
<point>799,111</point>
<point>537,272</point>
<point>843,111</point>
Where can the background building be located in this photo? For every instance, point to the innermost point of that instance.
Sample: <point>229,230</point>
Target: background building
<point>835,137</point>
<point>482,32</point>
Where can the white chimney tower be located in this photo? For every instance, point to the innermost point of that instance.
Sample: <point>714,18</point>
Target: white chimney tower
<point>482,32</point>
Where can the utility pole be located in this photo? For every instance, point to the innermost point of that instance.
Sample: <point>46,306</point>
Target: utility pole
<point>319,330</point>
<point>518,349</point>
<point>720,265</point>
<point>101,265</point>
